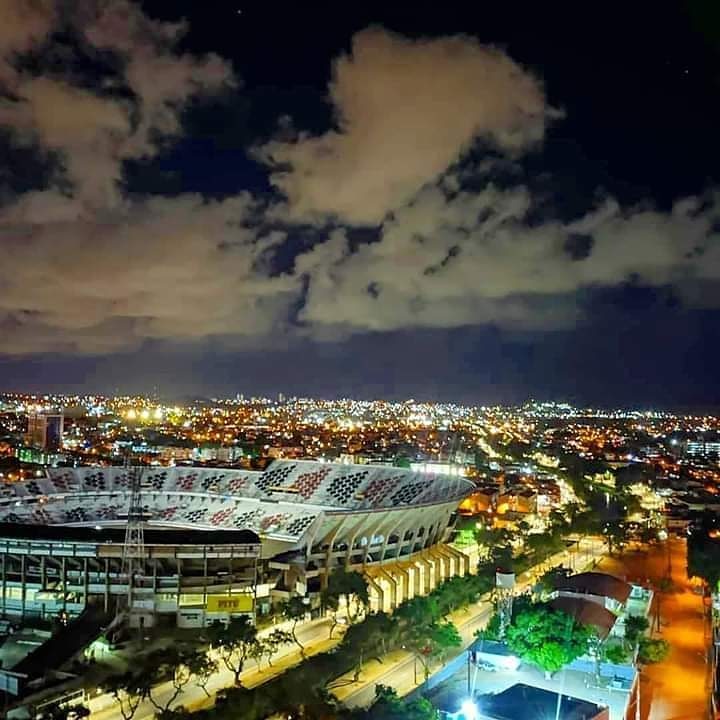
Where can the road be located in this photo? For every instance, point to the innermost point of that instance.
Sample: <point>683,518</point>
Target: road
<point>677,688</point>
<point>313,635</point>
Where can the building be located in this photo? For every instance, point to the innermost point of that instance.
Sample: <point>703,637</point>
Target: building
<point>703,447</point>
<point>600,600</point>
<point>45,431</point>
<point>214,533</point>
<point>534,703</point>
<point>605,590</point>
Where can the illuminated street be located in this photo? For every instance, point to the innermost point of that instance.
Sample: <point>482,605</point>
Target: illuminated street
<point>675,689</point>
<point>313,635</point>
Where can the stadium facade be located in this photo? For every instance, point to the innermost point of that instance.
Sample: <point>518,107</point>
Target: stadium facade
<point>219,541</point>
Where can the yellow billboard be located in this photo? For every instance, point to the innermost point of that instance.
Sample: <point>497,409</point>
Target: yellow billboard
<point>230,603</point>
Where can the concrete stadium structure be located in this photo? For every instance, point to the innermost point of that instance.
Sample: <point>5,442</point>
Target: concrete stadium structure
<point>224,540</point>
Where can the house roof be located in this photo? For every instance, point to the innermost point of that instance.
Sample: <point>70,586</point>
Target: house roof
<point>594,583</point>
<point>586,612</point>
<point>532,703</point>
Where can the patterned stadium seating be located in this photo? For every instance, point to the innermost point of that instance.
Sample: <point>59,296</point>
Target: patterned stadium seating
<point>282,501</point>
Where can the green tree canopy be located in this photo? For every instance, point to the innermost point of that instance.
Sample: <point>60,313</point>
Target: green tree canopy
<point>295,609</point>
<point>546,637</point>
<point>653,650</point>
<point>350,586</point>
<point>635,626</point>
<point>234,643</point>
<point>388,706</point>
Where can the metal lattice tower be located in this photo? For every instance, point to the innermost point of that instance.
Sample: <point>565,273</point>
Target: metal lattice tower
<point>504,608</point>
<point>133,560</point>
<point>504,591</point>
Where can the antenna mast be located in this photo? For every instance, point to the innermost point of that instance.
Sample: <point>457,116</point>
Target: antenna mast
<point>133,561</point>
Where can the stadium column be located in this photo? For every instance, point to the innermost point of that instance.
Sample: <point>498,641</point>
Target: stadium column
<point>22,586</point>
<point>86,579</point>
<point>64,582</point>
<point>205,581</point>
<point>388,532</point>
<point>179,583</point>
<point>330,550</point>
<point>371,532</point>
<point>378,591</point>
<point>351,545</point>
<point>463,561</point>
<point>405,590</point>
<point>393,584</point>
<point>107,584</point>
<point>4,585</point>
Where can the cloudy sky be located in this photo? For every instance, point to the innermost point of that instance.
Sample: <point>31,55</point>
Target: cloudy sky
<point>411,201</point>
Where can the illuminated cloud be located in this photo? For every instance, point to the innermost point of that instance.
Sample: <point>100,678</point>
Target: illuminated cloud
<point>88,267</point>
<point>25,24</point>
<point>475,259</point>
<point>168,268</point>
<point>94,130</point>
<point>405,111</point>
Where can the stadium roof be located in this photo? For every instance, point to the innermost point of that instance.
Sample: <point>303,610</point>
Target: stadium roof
<point>282,503</point>
<point>168,536</point>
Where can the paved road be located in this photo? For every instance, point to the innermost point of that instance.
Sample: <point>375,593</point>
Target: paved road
<point>313,635</point>
<point>675,689</point>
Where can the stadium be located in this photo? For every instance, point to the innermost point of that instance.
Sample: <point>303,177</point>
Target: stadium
<point>218,541</point>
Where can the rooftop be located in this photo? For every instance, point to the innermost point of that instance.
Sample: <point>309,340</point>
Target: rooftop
<point>586,612</point>
<point>533,703</point>
<point>594,583</point>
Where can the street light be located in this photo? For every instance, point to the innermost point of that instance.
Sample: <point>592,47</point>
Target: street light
<point>469,709</point>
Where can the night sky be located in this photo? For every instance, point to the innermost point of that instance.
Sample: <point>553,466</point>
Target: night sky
<point>478,204</point>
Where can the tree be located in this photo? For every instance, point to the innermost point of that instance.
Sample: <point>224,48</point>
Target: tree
<point>653,650</point>
<point>554,575</point>
<point>492,630</point>
<point>350,586</point>
<point>432,641</point>
<point>233,642</point>
<point>129,690</point>
<point>419,611</point>
<point>272,643</point>
<point>635,626</point>
<point>381,632</point>
<point>388,706</point>
<point>202,667</point>
<point>703,552</point>
<point>546,637</point>
<point>64,713</point>
<point>616,653</point>
<point>171,664</point>
<point>295,609</point>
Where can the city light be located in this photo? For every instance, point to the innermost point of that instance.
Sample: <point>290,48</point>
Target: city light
<point>469,710</point>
